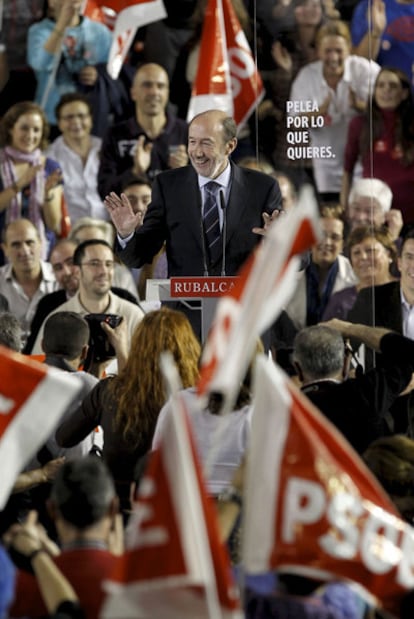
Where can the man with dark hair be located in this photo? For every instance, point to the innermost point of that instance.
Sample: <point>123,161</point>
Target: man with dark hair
<point>359,407</point>
<point>94,260</point>
<point>67,276</point>
<point>66,336</point>
<point>83,505</point>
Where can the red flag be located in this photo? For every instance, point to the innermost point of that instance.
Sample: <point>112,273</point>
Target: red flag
<point>265,285</point>
<point>326,515</point>
<point>33,398</point>
<point>130,15</point>
<point>227,77</point>
<point>175,567</point>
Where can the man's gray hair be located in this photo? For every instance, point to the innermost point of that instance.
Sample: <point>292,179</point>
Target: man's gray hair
<point>11,332</point>
<point>371,188</point>
<point>319,351</point>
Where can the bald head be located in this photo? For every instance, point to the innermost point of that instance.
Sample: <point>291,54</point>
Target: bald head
<point>150,90</point>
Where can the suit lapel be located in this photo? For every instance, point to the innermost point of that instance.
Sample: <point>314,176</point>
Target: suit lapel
<point>238,198</point>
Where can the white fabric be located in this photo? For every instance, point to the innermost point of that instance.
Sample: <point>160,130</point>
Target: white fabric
<point>233,440</point>
<point>297,306</point>
<point>408,317</point>
<point>80,180</point>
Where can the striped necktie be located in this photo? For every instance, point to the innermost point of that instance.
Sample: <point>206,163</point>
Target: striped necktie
<point>211,219</point>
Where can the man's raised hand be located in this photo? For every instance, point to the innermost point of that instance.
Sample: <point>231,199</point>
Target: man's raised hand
<point>122,215</point>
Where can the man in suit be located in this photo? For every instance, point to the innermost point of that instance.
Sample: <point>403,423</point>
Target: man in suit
<point>175,214</point>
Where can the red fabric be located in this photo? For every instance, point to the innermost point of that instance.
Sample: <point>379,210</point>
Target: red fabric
<point>386,163</point>
<point>85,569</point>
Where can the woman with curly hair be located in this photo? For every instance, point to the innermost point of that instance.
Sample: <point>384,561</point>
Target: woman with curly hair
<point>30,182</point>
<point>126,406</point>
<point>382,139</point>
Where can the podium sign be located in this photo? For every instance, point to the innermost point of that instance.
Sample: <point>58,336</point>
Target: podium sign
<point>204,289</point>
<point>200,287</point>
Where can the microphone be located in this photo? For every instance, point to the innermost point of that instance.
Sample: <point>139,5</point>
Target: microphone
<point>203,238</point>
<point>223,232</point>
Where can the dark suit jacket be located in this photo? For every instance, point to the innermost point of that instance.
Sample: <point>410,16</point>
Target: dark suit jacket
<point>379,306</point>
<point>174,216</point>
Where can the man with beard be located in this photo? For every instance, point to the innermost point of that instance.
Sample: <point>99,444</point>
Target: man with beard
<point>94,263</point>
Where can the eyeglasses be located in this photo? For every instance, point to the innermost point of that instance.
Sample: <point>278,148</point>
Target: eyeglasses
<point>73,116</point>
<point>98,264</point>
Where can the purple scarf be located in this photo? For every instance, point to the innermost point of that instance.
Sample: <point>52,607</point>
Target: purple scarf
<point>37,187</point>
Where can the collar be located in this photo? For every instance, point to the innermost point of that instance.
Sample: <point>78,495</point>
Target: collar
<point>45,268</point>
<point>223,179</point>
<point>314,384</point>
<point>96,544</point>
<point>404,301</point>
<point>57,361</point>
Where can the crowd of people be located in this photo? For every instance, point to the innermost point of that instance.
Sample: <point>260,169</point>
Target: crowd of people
<point>106,184</point>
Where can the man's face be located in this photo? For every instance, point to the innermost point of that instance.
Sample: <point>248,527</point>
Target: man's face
<point>150,90</point>
<point>27,132</point>
<point>333,51</point>
<point>96,270</point>
<point>207,150</point>
<point>139,197</point>
<point>328,249</point>
<point>365,210</point>
<point>406,267</point>
<point>22,247</point>
<point>66,273</point>
<point>74,120</point>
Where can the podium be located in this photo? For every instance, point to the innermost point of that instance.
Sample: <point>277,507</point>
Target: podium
<point>207,290</point>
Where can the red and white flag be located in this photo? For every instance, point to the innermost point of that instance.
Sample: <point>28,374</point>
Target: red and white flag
<point>265,285</point>
<point>227,77</point>
<point>175,566</point>
<point>326,515</point>
<point>33,398</point>
<point>130,15</point>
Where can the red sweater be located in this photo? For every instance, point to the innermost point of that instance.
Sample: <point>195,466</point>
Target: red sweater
<point>85,569</point>
<point>386,163</point>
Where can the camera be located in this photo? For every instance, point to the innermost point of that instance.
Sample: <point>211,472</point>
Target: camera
<point>100,348</point>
